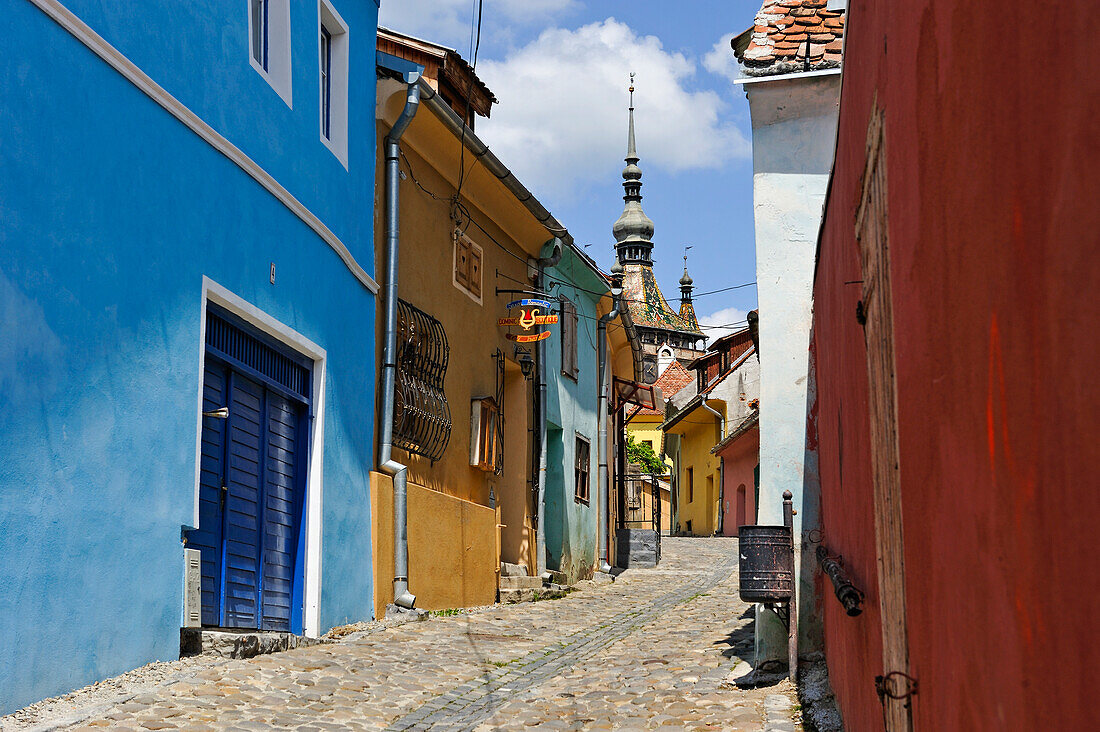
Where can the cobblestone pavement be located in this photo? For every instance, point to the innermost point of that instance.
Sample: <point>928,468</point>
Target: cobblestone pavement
<point>649,651</point>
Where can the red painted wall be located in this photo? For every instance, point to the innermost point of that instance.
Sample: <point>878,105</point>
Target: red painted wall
<point>993,163</point>
<point>739,461</point>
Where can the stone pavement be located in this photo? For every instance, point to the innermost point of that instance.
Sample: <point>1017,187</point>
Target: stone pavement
<point>649,651</point>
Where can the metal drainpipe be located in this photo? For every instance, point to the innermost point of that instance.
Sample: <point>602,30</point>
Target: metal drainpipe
<point>721,477</point>
<point>601,415</point>
<point>540,420</point>
<point>401,595</point>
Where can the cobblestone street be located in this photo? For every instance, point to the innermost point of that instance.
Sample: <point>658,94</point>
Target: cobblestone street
<point>649,651</point>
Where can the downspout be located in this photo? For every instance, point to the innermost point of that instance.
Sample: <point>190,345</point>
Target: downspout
<point>386,463</point>
<point>721,464</point>
<point>601,415</point>
<point>540,420</point>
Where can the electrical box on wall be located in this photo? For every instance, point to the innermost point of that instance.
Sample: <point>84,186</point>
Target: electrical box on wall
<point>192,588</point>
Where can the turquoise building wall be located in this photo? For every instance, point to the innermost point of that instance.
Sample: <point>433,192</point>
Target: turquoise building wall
<point>112,213</point>
<point>571,525</point>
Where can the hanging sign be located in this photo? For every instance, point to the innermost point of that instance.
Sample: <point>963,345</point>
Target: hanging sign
<point>531,313</point>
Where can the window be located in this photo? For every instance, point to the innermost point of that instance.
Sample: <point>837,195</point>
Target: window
<point>648,442</point>
<point>269,43</point>
<point>259,9</point>
<point>421,415</point>
<point>583,462</point>
<point>691,485</point>
<point>569,339</point>
<point>486,435</point>
<point>468,258</point>
<point>332,45</point>
<point>326,83</point>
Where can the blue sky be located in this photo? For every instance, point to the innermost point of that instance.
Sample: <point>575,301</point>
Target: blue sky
<point>560,69</point>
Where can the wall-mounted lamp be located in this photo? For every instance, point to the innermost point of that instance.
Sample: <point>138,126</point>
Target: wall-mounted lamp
<point>526,362</point>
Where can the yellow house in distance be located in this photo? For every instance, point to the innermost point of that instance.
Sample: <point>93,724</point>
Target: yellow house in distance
<point>721,413</point>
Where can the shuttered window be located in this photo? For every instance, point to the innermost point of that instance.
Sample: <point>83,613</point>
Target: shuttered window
<point>583,458</point>
<point>467,263</point>
<point>569,365</point>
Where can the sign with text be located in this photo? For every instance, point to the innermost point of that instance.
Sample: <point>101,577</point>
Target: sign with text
<point>532,312</point>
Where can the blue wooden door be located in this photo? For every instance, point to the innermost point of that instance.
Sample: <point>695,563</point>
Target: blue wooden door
<point>251,486</point>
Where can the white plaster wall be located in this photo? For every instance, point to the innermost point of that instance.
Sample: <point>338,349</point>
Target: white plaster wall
<point>794,132</point>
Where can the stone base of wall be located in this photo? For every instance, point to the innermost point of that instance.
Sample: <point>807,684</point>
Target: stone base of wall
<point>636,548</point>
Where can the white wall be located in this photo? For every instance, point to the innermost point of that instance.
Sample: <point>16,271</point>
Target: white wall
<point>794,131</point>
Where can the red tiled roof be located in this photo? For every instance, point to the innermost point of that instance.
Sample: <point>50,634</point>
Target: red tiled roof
<point>671,381</point>
<point>785,32</point>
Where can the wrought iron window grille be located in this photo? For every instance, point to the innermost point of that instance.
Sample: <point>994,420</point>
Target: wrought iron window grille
<point>421,415</point>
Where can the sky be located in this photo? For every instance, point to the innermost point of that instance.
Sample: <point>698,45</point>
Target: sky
<point>560,70</point>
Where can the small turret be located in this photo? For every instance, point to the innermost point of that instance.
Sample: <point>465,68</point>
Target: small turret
<point>687,286</point>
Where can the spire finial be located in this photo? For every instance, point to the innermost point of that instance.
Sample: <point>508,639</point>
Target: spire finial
<point>631,147</point>
<point>632,90</point>
<point>686,282</point>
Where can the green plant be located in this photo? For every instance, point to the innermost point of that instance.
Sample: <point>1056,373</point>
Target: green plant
<point>640,453</point>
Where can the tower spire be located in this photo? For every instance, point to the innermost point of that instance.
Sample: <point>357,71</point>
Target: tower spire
<point>634,230</point>
<point>687,286</point>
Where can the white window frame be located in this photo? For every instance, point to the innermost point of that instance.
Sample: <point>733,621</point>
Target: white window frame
<point>339,59</point>
<point>277,74</point>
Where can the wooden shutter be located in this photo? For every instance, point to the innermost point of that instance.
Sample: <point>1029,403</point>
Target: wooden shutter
<point>872,234</point>
<point>569,339</point>
<point>462,262</point>
<point>474,270</point>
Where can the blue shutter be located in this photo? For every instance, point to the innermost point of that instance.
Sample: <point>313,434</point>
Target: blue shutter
<point>208,537</point>
<point>248,535</point>
<point>242,503</point>
<point>282,509</point>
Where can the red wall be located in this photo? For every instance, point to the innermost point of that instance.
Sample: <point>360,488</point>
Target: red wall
<point>993,158</point>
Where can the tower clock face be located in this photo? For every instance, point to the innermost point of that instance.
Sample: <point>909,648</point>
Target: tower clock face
<point>649,369</point>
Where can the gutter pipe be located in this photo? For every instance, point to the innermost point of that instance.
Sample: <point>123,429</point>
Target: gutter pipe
<point>544,261</point>
<point>721,464</point>
<point>399,472</point>
<point>603,530</point>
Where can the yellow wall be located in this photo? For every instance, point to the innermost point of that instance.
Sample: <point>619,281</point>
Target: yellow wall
<point>452,557</point>
<point>699,433</point>
<point>449,499</point>
<point>647,427</point>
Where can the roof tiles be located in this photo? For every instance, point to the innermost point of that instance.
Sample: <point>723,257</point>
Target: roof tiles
<point>791,36</point>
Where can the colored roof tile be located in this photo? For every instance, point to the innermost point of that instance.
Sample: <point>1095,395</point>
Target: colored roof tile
<point>777,43</point>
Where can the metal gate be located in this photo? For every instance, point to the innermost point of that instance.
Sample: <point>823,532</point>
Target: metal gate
<point>641,505</point>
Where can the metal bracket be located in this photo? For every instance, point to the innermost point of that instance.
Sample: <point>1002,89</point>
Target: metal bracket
<point>884,683</point>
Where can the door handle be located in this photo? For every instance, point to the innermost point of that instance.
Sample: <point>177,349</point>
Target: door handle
<point>219,413</point>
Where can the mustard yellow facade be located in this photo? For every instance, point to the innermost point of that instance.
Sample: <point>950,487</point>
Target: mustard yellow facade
<point>699,478</point>
<point>462,520</point>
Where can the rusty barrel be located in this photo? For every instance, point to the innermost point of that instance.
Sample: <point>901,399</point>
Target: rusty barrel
<point>766,564</point>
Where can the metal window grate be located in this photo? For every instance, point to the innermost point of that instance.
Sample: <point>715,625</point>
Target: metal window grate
<point>233,342</point>
<point>421,416</point>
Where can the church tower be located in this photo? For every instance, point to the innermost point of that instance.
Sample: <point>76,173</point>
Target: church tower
<point>661,329</point>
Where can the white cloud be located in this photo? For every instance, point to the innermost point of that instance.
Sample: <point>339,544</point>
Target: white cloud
<point>723,322</point>
<point>448,22</point>
<point>562,113</point>
<point>720,60</point>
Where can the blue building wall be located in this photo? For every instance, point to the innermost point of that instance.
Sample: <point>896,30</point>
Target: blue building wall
<point>111,213</point>
<point>571,526</point>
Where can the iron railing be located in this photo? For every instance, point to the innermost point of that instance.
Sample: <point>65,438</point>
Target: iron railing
<point>641,505</point>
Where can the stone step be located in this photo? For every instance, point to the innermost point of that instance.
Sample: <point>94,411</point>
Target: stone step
<point>520,583</point>
<point>510,597</point>
<point>238,644</point>
<point>507,569</point>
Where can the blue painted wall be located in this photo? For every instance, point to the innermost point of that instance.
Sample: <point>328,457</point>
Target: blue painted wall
<point>571,410</point>
<point>111,212</point>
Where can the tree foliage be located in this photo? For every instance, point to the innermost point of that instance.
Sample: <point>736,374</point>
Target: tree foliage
<point>640,453</point>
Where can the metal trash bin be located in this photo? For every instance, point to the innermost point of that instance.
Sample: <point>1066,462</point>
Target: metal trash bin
<point>766,564</point>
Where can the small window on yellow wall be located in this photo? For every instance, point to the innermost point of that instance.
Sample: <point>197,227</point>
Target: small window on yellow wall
<point>467,266</point>
<point>486,444</point>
